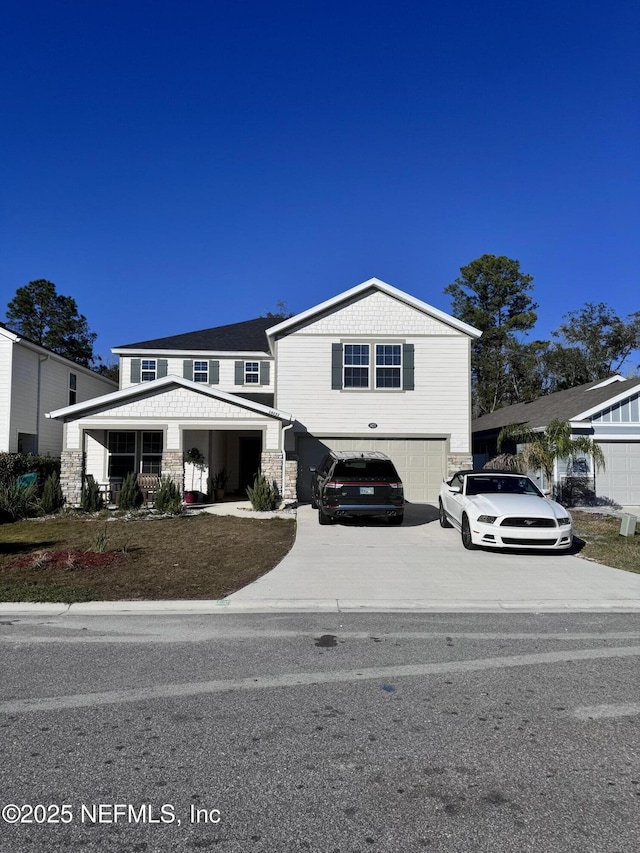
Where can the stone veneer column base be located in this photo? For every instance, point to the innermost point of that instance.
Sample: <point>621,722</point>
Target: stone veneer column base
<point>291,481</point>
<point>458,462</point>
<point>71,474</point>
<point>271,467</point>
<point>173,467</point>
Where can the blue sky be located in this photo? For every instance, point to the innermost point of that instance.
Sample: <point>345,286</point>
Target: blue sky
<point>175,166</point>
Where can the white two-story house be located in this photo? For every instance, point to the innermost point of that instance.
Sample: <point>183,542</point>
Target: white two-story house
<point>371,368</point>
<point>33,381</point>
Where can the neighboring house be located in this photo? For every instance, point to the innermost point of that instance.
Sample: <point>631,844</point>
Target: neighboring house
<point>608,411</point>
<point>34,380</point>
<point>372,368</point>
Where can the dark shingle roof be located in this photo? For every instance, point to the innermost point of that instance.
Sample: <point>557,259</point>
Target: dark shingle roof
<point>248,336</point>
<point>563,405</point>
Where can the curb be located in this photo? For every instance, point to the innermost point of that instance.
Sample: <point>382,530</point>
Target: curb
<point>227,606</point>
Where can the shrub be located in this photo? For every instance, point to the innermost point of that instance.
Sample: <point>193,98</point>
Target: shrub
<point>52,498</point>
<point>18,501</point>
<point>130,496</point>
<point>90,498</point>
<point>262,495</point>
<point>13,465</point>
<point>168,497</point>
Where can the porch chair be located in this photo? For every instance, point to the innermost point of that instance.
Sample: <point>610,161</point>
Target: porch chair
<point>149,485</point>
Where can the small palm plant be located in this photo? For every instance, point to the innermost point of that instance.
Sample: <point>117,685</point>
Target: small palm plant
<point>543,449</point>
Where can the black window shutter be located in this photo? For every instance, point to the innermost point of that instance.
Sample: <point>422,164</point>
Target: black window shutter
<point>336,367</point>
<point>265,371</point>
<point>135,370</point>
<point>239,380</point>
<point>408,383</point>
<point>214,372</point>
<point>187,368</point>
<point>162,368</point>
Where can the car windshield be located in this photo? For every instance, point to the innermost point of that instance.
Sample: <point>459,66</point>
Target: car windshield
<point>357,469</point>
<point>482,485</point>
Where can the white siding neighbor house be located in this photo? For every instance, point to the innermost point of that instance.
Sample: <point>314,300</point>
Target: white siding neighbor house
<point>607,411</point>
<point>372,368</point>
<point>33,381</point>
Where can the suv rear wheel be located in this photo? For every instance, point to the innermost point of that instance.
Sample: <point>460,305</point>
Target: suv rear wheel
<point>396,520</point>
<point>324,519</point>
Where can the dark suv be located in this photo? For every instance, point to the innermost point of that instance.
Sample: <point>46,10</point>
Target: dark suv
<point>349,483</point>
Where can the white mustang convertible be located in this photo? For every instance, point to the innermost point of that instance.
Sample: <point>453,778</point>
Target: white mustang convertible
<point>503,510</point>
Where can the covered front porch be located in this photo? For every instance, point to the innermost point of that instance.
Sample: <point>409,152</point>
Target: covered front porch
<point>150,430</point>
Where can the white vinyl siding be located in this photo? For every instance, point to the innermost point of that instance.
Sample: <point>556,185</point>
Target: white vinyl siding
<point>439,405</point>
<point>40,383</point>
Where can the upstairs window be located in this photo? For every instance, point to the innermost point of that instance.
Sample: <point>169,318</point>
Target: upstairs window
<point>356,366</point>
<point>73,389</point>
<point>148,369</point>
<point>388,366</point>
<point>201,371</point>
<point>372,366</point>
<point>252,372</point>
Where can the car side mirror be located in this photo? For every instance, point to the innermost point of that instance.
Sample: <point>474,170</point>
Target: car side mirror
<point>455,490</point>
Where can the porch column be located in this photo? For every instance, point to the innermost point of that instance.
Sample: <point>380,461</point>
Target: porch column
<point>71,472</point>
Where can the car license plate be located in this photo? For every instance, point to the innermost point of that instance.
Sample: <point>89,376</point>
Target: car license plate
<point>366,490</point>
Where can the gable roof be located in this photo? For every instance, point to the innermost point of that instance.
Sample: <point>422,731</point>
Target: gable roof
<point>258,334</point>
<point>360,290</point>
<point>142,389</point>
<point>247,336</point>
<point>569,405</point>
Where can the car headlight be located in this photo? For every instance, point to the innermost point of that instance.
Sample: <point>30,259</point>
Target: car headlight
<point>486,519</point>
<point>562,522</point>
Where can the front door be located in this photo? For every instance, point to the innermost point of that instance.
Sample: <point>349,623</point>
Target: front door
<point>250,448</point>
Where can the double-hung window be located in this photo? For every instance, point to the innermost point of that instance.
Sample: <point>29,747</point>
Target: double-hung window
<point>388,366</point>
<point>148,369</point>
<point>201,371</point>
<point>356,366</point>
<point>252,372</point>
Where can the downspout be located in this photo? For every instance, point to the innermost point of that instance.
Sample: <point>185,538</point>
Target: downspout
<point>284,460</point>
<point>41,359</point>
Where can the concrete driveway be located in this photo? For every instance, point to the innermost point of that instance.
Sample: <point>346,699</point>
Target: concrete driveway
<point>370,565</point>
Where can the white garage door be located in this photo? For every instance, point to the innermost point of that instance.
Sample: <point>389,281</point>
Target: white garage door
<point>620,480</point>
<point>421,462</point>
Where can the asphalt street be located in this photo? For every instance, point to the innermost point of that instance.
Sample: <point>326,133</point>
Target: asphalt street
<point>320,732</point>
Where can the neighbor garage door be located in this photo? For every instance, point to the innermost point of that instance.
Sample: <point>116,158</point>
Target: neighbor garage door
<point>420,462</point>
<point>620,480</point>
